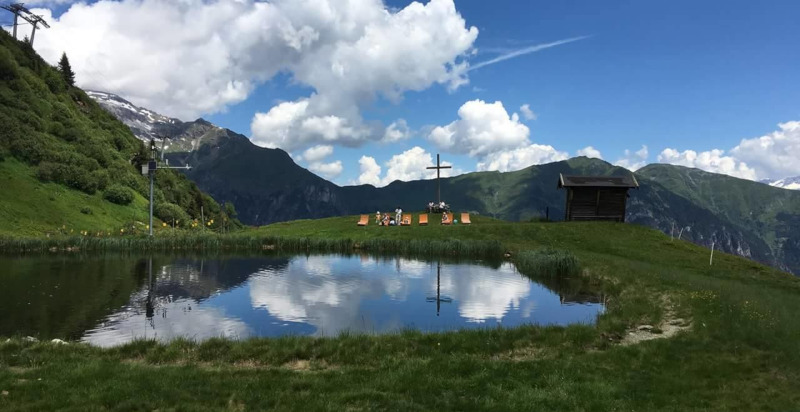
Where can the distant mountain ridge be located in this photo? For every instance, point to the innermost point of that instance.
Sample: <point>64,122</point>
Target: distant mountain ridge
<point>265,185</point>
<point>747,218</point>
<point>792,183</point>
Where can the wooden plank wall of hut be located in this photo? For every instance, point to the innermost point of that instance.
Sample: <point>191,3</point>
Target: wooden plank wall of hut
<point>590,203</point>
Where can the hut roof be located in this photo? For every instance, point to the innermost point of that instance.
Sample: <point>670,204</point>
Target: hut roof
<point>628,181</point>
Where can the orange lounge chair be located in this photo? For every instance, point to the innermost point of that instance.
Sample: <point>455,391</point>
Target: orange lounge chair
<point>423,220</point>
<point>406,220</point>
<point>363,221</point>
<point>449,220</point>
<point>465,219</point>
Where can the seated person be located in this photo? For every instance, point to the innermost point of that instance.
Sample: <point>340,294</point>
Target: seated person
<point>377,217</point>
<point>392,222</point>
<point>386,219</point>
<point>445,217</point>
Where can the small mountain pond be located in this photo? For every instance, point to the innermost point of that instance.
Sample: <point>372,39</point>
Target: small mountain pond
<point>112,299</point>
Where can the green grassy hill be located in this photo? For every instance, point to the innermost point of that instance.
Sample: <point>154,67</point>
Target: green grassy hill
<point>739,216</point>
<point>66,163</point>
<point>37,207</point>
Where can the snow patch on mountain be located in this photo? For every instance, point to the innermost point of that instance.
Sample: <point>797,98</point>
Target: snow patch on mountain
<point>792,183</point>
<point>144,123</point>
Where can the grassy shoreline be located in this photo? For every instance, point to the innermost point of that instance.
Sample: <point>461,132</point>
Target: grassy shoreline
<point>741,353</point>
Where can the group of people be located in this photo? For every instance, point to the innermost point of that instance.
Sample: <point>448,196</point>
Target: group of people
<point>386,219</point>
<point>440,207</point>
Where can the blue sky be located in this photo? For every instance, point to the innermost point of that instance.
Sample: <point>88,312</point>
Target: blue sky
<point>679,75</point>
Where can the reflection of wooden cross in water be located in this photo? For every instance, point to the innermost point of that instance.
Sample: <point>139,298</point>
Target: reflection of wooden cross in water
<point>438,168</point>
<point>438,299</point>
<point>150,309</point>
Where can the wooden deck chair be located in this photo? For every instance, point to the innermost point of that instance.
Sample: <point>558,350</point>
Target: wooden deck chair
<point>363,221</point>
<point>406,220</point>
<point>465,219</point>
<point>449,220</point>
<point>423,219</point>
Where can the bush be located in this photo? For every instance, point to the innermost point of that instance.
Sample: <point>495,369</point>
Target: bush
<point>118,194</point>
<point>54,81</point>
<point>102,178</point>
<point>86,210</point>
<point>169,212</point>
<point>8,69</point>
<point>72,176</point>
<point>50,172</point>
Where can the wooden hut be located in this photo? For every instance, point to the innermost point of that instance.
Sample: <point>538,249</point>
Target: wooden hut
<point>596,197</point>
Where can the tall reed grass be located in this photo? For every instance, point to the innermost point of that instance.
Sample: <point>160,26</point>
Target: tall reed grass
<point>547,263</point>
<point>212,242</point>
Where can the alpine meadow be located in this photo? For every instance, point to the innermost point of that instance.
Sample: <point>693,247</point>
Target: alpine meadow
<point>395,205</point>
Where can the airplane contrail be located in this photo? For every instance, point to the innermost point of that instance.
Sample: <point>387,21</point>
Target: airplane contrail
<point>524,51</point>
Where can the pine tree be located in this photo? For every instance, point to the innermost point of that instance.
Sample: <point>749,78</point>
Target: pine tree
<point>66,70</point>
<point>26,39</point>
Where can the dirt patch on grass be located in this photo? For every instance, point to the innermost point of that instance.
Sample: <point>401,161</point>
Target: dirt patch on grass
<point>670,326</point>
<point>19,370</point>
<point>297,365</point>
<point>529,353</point>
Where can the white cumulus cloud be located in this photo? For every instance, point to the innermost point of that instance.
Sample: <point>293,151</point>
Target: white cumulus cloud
<point>521,158</point>
<point>330,170</point>
<point>370,172</point>
<point>482,128</point>
<point>527,113</point>
<point>496,138</point>
<point>590,151</point>
<point>713,161</point>
<point>396,131</point>
<point>192,57</point>
<point>316,153</point>
<point>775,155</point>
<point>409,165</point>
<point>634,160</point>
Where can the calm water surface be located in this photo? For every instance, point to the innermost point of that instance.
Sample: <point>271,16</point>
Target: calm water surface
<point>111,300</point>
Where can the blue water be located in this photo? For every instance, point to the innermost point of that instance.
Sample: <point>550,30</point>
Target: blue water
<point>318,295</point>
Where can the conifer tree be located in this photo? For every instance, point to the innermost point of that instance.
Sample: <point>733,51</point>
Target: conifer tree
<point>66,70</point>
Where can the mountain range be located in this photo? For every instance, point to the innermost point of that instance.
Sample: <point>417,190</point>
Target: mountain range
<point>792,183</point>
<point>751,219</point>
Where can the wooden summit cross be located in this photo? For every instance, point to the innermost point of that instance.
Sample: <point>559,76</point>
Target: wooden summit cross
<point>438,168</point>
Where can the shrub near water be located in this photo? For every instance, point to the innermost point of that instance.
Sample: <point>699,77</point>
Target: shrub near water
<point>547,263</point>
<point>169,212</point>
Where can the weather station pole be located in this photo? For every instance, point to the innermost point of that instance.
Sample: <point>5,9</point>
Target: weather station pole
<point>150,169</point>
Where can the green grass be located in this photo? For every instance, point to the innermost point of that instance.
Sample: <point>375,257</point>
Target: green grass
<point>741,353</point>
<point>32,208</point>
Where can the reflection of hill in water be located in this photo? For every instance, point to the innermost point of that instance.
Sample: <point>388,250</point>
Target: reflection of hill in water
<point>199,279</point>
<point>62,296</point>
<point>571,290</point>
